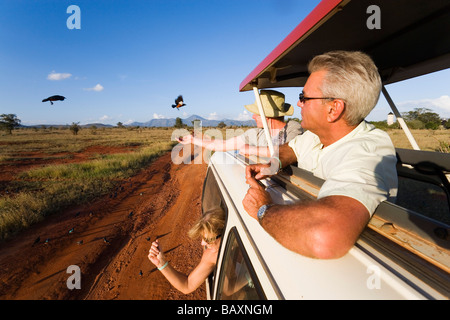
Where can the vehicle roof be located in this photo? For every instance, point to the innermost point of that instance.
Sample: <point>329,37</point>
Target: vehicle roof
<point>413,40</point>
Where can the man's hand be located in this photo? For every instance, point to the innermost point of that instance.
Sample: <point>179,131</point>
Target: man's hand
<point>256,197</point>
<point>261,170</point>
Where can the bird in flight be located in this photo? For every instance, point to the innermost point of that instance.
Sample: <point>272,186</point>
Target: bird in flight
<point>54,98</point>
<point>179,103</point>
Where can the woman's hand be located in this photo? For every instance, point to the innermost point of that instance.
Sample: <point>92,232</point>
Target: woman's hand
<point>186,139</point>
<point>155,255</point>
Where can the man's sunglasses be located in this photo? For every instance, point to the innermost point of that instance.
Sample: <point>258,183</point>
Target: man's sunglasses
<point>303,99</point>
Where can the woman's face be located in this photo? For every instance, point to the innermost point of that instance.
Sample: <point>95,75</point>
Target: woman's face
<point>211,240</point>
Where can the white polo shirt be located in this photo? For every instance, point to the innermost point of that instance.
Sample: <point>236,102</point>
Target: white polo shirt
<point>361,165</point>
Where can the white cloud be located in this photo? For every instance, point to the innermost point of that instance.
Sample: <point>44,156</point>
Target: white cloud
<point>439,105</point>
<point>98,87</point>
<point>158,116</point>
<point>58,76</point>
<point>105,118</point>
<point>244,116</point>
<point>213,116</point>
<point>443,103</point>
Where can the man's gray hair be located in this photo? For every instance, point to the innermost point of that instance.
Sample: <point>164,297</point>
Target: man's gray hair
<point>351,76</point>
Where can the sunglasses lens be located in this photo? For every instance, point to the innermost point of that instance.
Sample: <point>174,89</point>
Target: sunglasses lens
<point>212,240</point>
<point>301,97</point>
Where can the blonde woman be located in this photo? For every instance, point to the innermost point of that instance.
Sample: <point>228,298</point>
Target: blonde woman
<point>209,228</point>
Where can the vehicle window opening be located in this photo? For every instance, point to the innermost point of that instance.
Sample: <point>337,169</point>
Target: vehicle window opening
<point>423,197</point>
<point>423,188</point>
<point>238,280</point>
<point>212,200</point>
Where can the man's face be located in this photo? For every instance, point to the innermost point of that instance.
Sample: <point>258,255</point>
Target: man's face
<point>313,111</point>
<point>258,120</point>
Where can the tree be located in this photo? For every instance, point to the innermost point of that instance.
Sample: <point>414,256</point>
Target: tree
<point>430,119</point>
<point>446,124</point>
<point>120,124</point>
<point>296,119</point>
<point>221,125</point>
<point>178,123</point>
<point>8,122</point>
<point>75,128</point>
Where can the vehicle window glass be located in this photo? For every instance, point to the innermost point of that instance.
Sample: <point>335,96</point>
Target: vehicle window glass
<point>211,198</point>
<point>237,281</point>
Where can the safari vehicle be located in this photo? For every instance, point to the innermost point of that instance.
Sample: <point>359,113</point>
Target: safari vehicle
<point>404,251</point>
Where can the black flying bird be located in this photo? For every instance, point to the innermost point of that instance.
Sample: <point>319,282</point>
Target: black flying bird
<point>54,98</point>
<point>179,103</point>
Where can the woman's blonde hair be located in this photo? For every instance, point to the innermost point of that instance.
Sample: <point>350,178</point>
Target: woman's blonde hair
<point>212,222</point>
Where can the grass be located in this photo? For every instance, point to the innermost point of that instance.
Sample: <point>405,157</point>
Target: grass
<point>428,140</point>
<point>46,190</point>
<point>62,140</point>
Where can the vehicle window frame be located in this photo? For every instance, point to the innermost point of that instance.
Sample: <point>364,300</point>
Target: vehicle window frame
<point>208,178</point>
<point>233,234</point>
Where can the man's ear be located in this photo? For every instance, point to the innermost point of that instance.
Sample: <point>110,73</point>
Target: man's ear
<point>335,110</point>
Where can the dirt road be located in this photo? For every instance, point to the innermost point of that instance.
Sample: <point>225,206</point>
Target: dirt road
<point>110,241</point>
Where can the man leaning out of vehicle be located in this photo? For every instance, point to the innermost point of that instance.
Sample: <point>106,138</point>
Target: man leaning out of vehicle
<point>356,160</point>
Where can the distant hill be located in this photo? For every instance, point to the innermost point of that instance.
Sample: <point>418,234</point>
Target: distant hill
<point>39,126</point>
<point>156,123</point>
<point>98,125</point>
<point>188,121</point>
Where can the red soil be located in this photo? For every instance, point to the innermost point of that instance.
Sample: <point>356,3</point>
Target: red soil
<point>165,201</point>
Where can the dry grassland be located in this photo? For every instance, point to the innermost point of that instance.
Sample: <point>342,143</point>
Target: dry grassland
<point>45,170</point>
<point>428,140</point>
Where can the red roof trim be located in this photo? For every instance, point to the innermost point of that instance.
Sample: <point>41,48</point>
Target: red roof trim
<point>319,12</point>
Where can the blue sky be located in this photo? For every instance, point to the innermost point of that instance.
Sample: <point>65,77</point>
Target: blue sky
<point>131,59</point>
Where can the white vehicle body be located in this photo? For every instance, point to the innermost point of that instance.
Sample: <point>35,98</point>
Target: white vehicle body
<point>402,254</point>
<point>277,273</point>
